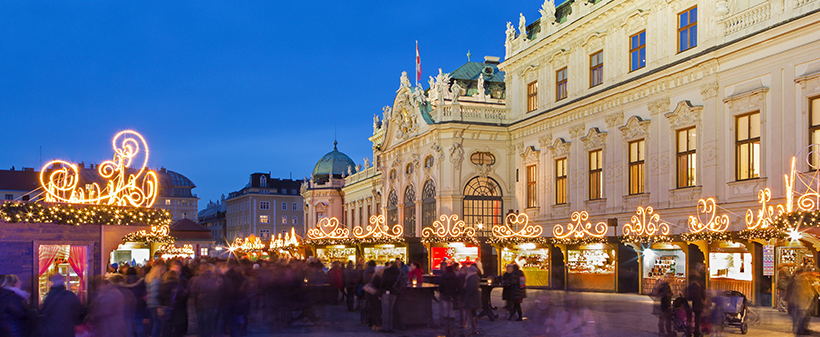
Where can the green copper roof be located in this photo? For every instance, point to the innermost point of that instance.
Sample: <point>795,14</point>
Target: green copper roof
<point>471,71</point>
<point>333,163</point>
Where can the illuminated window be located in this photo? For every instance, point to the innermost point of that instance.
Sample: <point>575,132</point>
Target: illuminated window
<point>814,129</point>
<point>532,187</point>
<point>284,219</point>
<point>264,219</point>
<point>409,211</point>
<point>264,234</point>
<point>636,167</point>
<point>687,157</point>
<point>203,251</point>
<point>596,177</point>
<point>532,96</point>
<point>284,206</point>
<point>482,158</point>
<point>483,204</point>
<point>596,69</point>
<point>428,204</point>
<point>637,51</point>
<point>747,151</point>
<point>264,205</point>
<point>167,202</point>
<point>561,84</point>
<point>184,215</point>
<point>561,181</point>
<point>294,220</point>
<point>688,29</point>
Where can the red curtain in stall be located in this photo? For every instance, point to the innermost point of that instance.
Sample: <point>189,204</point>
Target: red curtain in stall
<point>47,255</point>
<point>79,262</point>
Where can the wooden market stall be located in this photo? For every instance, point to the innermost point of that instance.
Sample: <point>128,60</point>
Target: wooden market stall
<point>591,261</point>
<point>379,242</point>
<point>519,242</point>
<point>288,246</point>
<point>450,240</point>
<point>331,241</point>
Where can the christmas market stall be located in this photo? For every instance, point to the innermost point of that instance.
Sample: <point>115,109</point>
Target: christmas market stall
<point>449,239</point>
<point>379,242</point>
<point>170,251</point>
<point>519,242</point>
<point>138,248</point>
<point>660,258</point>
<point>251,248</point>
<point>74,226</point>
<point>330,241</point>
<point>288,247</point>
<point>591,262</point>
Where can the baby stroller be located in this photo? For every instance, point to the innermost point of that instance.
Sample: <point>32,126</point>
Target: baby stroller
<point>681,315</point>
<point>735,309</point>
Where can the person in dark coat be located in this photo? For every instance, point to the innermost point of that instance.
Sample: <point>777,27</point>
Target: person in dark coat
<point>698,296</point>
<point>389,279</point>
<point>61,310</point>
<point>663,306</point>
<point>350,283</point>
<point>506,282</point>
<point>518,292</point>
<point>450,290</point>
<point>13,312</point>
<point>173,294</point>
<point>472,297</point>
<point>375,309</point>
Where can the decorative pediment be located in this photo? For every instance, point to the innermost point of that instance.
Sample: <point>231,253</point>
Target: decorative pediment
<point>559,58</point>
<point>531,155</point>
<point>685,114</point>
<point>529,72</point>
<point>594,42</point>
<point>594,139</point>
<point>747,101</point>
<point>635,21</point>
<point>635,128</point>
<point>560,148</point>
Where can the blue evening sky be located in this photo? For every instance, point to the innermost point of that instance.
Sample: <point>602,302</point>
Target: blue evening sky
<point>221,89</point>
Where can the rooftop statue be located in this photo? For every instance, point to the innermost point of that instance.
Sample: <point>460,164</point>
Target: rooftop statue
<point>522,25</point>
<point>456,91</point>
<point>547,11</point>
<point>405,81</point>
<point>510,31</point>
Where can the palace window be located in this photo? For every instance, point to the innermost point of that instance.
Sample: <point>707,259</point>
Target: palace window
<point>264,205</point>
<point>294,220</point>
<point>483,204</point>
<point>561,84</point>
<point>561,181</point>
<point>532,187</point>
<point>428,204</point>
<point>409,169</point>
<point>263,181</point>
<point>392,209</point>
<point>687,157</point>
<point>596,177</point>
<point>264,219</point>
<point>688,29</point>
<point>747,145</point>
<point>482,158</point>
<point>532,96</point>
<point>284,206</point>
<point>361,216</point>
<point>637,51</point>
<point>264,234</point>
<point>284,219</point>
<point>596,69</point>
<point>393,174</point>
<point>636,167</point>
<point>814,130</point>
<point>410,211</point>
<point>428,162</point>
<point>294,207</point>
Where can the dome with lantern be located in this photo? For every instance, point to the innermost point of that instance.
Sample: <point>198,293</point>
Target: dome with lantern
<point>334,165</point>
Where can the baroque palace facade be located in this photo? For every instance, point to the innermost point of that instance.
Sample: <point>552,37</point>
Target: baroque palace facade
<point>601,106</point>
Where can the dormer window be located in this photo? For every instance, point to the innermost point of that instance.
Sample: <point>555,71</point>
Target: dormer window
<point>263,181</point>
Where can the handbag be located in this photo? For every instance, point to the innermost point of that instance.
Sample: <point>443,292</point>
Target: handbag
<point>370,289</point>
<point>165,312</point>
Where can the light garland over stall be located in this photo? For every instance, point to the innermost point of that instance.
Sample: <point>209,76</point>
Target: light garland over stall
<point>715,229</point>
<point>448,228</point>
<point>329,232</point>
<point>505,234</point>
<point>646,227</point>
<point>158,234</point>
<point>377,232</point>
<point>579,232</point>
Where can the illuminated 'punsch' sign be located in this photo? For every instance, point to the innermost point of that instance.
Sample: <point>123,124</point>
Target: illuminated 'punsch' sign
<point>125,186</point>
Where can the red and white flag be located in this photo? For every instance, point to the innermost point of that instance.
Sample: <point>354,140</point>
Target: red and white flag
<point>418,64</point>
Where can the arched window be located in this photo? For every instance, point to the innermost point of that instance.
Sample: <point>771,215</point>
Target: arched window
<point>428,204</point>
<point>392,209</point>
<point>410,211</point>
<point>483,205</point>
<point>263,181</point>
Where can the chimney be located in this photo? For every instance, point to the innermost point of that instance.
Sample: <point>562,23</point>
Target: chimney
<point>81,165</point>
<point>492,59</point>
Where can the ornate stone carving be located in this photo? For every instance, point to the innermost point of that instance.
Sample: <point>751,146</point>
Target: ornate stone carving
<point>685,114</point>
<point>560,148</point>
<point>594,139</point>
<point>559,59</point>
<point>615,119</point>
<point>594,42</point>
<point>438,150</point>
<point>710,90</point>
<point>483,170</point>
<point>456,153</point>
<point>658,106</point>
<point>710,153</point>
<point>547,11</point>
<point>522,26</point>
<point>531,156</point>
<point>635,21</point>
<point>404,80</point>
<point>635,128</point>
<point>545,140</point>
<point>576,131</point>
<point>748,101</point>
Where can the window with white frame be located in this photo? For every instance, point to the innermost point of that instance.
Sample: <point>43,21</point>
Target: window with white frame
<point>264,205</point>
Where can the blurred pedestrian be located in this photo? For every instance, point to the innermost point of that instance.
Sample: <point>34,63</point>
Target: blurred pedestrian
<point>698,297</point>
<point>336,277</point>
<point>416,273</point>
<point>129,303</point>
<point>350,284</point>
<point>173,296</point>
<point>518,292</point>
<point>61,310</point>
<point>391,287</point>
<point>506,283</point>
<point>472,297</point>
<point>106,312</point>
<point>801,295</point>
<point>153,281</point>
<point>14,318</point>
<point>205,288</point>
<point>375,309</point>
<point>663,306</point>
<point>784,276</point>
<point>450,290</point>
<point>403,268</point>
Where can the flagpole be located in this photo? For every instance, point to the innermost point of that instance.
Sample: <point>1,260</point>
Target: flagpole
<point>417,63</point>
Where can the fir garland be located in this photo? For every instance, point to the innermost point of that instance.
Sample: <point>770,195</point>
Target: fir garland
<point>518,240</point>
<point>579,241</point>
<point>644,239</point>
<point>764,233</point>
<point>706,236</point>
<point>70,214</point>
<point>789,220</point>
<point>438,239</point>
<point>148,238</point>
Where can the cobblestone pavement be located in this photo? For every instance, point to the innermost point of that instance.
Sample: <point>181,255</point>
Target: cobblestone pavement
<point>626,315</point>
